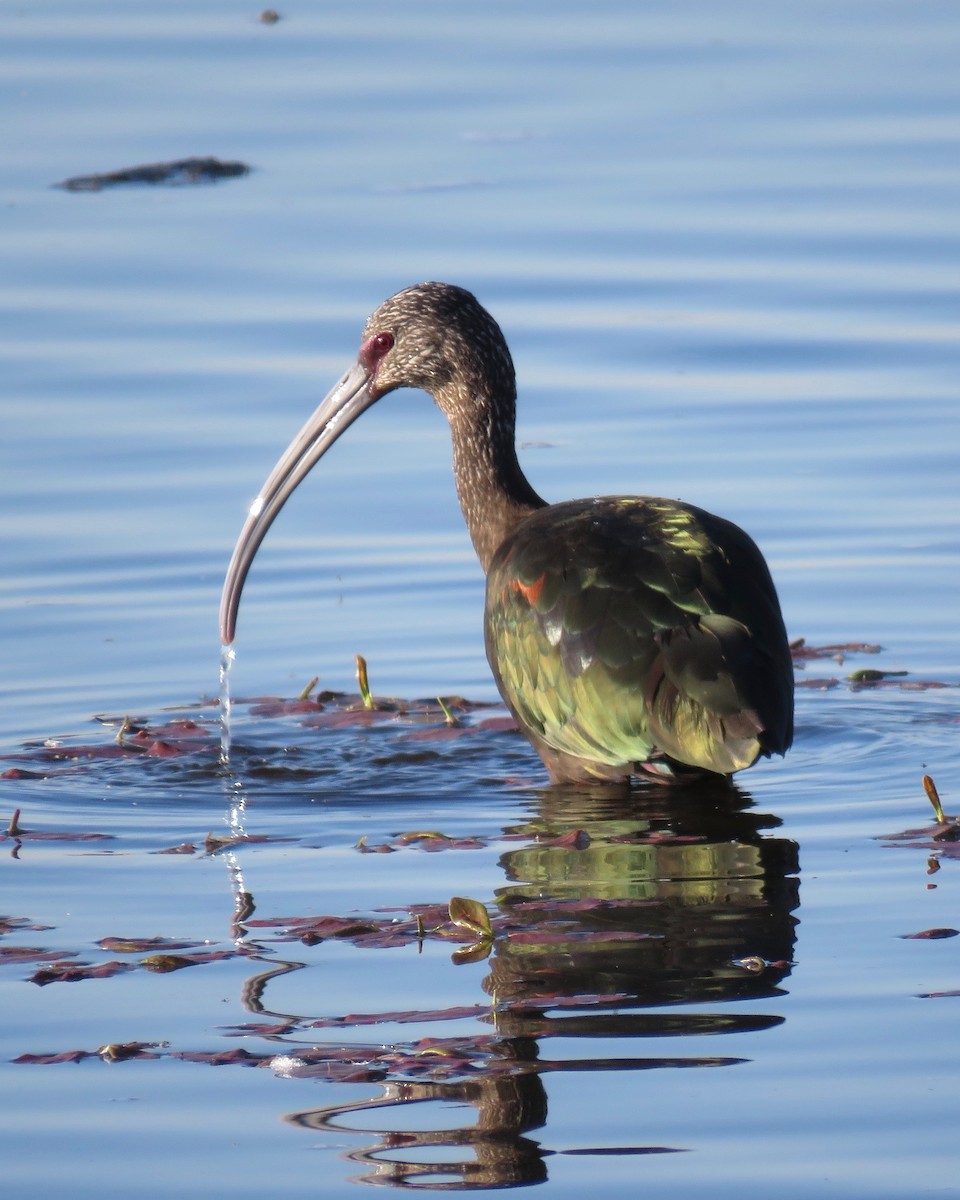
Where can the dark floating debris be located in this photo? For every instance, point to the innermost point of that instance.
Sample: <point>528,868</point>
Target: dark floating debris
<point>429,840</point>
<point>10,925</point>
<point>121,1051</point>
<point>158,955</point>
<point>32,954</point>
<point>180,173</point>
<point>63,1056</point>
<point>68,972</point>
<point>409,724</point>
<point>142,945</point>
<point>462,920</point>
<point>181,737</point>
<point>112,1052</point>
<point>864,678</point>
<point>799,650</point>
<point>17,833</point>
<point>941,840</point>
<point>163,964</point>
<point>269,16</point>
<point>214,843</point>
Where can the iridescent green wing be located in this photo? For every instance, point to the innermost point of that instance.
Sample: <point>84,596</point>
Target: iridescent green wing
<point>621,630</point>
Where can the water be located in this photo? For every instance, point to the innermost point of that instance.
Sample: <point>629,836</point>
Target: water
<point>227,656</point>
<point>722,241</point>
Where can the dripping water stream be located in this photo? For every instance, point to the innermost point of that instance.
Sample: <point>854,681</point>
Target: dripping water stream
<point>227,656</point>
<point>236,802</point>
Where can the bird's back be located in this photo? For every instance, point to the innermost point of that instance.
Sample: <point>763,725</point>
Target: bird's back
<point>632,630</point>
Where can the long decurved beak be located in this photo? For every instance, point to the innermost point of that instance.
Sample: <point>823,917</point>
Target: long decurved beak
<point>340,408</point>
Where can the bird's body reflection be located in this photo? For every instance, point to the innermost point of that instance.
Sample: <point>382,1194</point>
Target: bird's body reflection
<point>624,907</point>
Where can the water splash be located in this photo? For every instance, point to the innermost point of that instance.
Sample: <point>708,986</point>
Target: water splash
<point>227,655</point>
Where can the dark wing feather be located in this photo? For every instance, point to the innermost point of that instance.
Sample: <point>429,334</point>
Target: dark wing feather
<point>625,630</point>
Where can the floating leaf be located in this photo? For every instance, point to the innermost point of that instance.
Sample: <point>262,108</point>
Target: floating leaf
<point>162,749</point>
<point>16,832</point>
<point>377,848</point>
<point>476,952</point>
<point>471,915</point>
<point>121,1051</point>
<point>262,1029</point>
<point>871,675</point>
<point>119,945</point>
<point>286,708</point>
<point>879,679</point>
<point>163,964</point>
<point>64,972</point>
<point>181,729</point>
<point>140,738</point>
<point>943,838</point>
<point>426,835</point>
<point>213,844</point>
<point>13,924</point>
<point>64,1056</point>
<point>239,1057</point>
<point>437,733</point>
<point>349,718</point>
<point>931,934</point>
<point>800,650</point>
<point>22,954</point>
<point>61,835</point>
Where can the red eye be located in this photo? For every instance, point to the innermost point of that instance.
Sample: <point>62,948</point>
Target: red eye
<point>375,348</point>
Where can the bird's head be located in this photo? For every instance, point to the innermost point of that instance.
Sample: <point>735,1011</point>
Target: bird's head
<point>439,338</point>
<point>432,336</point>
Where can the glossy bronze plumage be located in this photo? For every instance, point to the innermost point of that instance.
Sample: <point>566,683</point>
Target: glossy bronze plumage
<point>627,634</point>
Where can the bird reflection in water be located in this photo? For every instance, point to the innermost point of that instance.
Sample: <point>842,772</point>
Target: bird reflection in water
<point>631,902</point>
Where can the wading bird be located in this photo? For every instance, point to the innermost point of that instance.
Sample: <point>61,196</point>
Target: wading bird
<point>628,635</point>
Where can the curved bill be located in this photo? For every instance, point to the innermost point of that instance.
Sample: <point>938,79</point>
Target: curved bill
<point>341,407</point>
